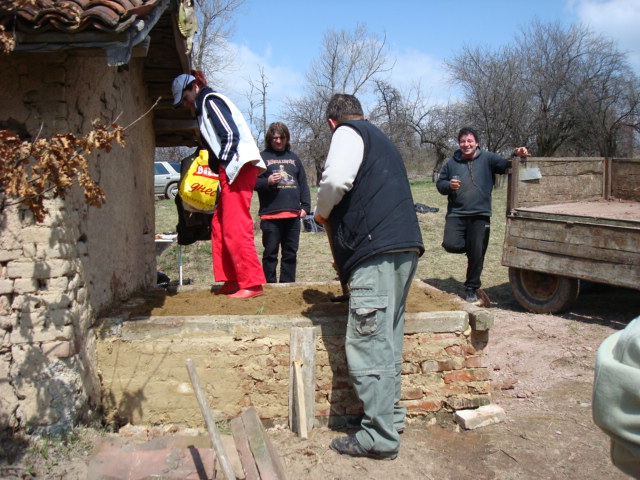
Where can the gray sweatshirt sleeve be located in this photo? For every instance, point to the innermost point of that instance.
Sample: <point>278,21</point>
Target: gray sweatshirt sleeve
<point>616,396</point>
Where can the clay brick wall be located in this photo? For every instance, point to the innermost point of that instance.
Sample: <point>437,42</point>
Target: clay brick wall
<point>55,276</point>
<point>441,372</point>
<point>244,361</point>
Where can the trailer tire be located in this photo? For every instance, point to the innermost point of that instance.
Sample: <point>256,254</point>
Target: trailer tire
<point>543,292</point>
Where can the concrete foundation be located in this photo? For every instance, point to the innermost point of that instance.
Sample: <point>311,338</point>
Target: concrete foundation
<point>244,360</point>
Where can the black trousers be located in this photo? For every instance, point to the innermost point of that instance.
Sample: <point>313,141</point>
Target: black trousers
<point>276,234</point>
<point>469,235</point>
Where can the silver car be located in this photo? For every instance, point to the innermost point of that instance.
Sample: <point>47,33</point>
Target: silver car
<point>166,179</point>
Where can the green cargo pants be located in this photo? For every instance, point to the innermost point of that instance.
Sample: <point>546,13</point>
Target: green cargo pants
<point>375,330</point>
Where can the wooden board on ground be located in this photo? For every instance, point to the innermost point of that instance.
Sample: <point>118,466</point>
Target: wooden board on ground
<point>266,458</point>
<point>244,450</point>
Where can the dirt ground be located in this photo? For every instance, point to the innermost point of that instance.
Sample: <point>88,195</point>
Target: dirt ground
<point>542,372</point>
<point>278,299</point>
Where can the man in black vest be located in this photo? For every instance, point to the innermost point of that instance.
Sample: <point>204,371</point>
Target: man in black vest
<point>364,196</point>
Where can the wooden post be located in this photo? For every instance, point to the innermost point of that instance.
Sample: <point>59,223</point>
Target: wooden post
<point>218,448</point>
<point>512,186</point>
<point>302,379</point>
<point>606,175</point>
<point>301,425</point>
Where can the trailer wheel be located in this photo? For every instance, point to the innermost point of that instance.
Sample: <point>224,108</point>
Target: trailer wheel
<point>543,292</point>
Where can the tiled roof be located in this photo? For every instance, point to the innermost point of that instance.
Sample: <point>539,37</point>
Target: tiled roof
<point>72,16</point>
<point>117,29</point>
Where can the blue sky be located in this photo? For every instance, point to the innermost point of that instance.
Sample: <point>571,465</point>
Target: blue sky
<point>284,36</point>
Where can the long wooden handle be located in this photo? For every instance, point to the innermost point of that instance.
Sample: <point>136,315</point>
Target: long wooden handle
<point>345,287</point>
<point>218,448</point>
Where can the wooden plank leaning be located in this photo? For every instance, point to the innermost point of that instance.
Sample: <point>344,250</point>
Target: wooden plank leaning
<point>267,459</point>
<point>218,448</point>
<point>301,424</point>
<point>244,450</point>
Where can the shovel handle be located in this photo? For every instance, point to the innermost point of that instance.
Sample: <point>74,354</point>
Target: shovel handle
<point>345,287</point>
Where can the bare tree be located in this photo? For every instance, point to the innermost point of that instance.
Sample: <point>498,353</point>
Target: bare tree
<point>257,98</point>
<point>210,52</point>
<point>347,63</point>
<point>438,127</point>
<point>391,114</point>
<point>411,122</point>
<point>585,93</point>
<point>607,100</point>
<point>559,89</point>
<point>215,25</point>
<point>496,101</point>
<point>552,54</point>
<point>310,132</point>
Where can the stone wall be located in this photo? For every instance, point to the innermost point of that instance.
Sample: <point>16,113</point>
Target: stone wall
<point>244,361</point>
<point>56,276</point>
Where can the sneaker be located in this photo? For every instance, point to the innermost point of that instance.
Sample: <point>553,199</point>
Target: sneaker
<point>470,295</point>
<point>349,446</point>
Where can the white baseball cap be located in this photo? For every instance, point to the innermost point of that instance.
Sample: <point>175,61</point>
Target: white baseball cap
<point>179,84</point>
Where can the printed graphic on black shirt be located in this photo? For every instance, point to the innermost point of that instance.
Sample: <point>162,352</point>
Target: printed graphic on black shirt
<point>285,178</point>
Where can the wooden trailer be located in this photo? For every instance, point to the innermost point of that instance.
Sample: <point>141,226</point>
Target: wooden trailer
<point>571,219</point>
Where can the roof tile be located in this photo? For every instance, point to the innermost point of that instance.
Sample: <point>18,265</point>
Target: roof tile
<point>71,16</point>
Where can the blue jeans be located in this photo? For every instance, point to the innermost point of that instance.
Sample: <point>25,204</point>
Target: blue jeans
<point>375,332</point>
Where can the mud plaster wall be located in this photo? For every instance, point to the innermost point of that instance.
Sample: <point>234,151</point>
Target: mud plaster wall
<point>244,361</point>
<point>55,276</point>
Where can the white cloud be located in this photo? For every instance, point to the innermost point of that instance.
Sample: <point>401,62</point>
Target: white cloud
<point>282,81</point>
<point>617,19</point>
<point>412,66</point>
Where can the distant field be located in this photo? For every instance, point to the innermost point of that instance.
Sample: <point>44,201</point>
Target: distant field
<point>437,267</point>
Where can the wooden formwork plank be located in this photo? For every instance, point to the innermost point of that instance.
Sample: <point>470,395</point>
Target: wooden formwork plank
<point>302,387</point>
<point>267,459</point>
<point>301,424</point>
<point>244,450</point>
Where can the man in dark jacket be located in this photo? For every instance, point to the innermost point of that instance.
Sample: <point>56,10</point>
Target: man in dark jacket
<point>284,199</point>
<point>467,178</point>
<point>365,198</point>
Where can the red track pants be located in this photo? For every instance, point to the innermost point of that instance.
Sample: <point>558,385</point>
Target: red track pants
<point>232,243</point>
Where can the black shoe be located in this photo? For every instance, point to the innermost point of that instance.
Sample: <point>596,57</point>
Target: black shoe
<point>349,446</point>
<point>470,295</point>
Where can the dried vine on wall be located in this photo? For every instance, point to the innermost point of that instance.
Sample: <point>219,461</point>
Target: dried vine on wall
<point>32,171</point>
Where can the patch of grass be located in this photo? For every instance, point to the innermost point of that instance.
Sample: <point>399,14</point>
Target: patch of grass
<point>34,456</point>
<point>441,269</point>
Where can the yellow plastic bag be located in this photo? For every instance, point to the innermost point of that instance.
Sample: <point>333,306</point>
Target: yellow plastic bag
<point>199,186</point>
